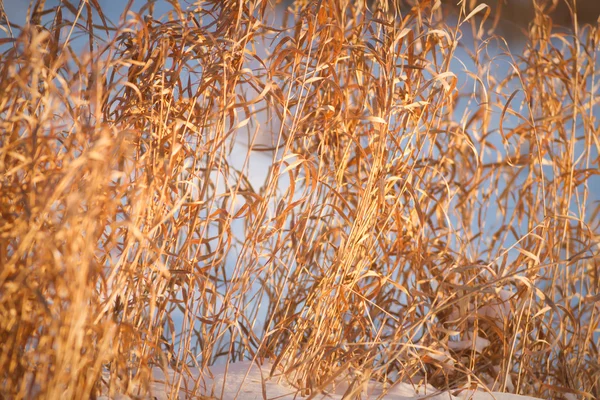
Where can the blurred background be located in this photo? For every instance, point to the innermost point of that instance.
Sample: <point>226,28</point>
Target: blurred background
<point>513,17</point>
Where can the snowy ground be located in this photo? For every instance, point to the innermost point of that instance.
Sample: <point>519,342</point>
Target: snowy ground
<point>247,381</point>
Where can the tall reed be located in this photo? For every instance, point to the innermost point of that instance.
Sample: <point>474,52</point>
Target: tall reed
<point>430,212</point>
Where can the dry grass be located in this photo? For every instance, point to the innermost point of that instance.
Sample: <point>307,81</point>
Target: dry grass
<point>417,199</point>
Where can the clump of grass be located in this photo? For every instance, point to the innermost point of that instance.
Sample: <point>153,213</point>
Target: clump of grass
<point>430,212</point>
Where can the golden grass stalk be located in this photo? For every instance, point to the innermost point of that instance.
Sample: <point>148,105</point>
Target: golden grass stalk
<point>430,211</point>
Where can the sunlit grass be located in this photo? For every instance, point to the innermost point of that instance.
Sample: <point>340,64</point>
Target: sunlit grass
<point>430,214</point>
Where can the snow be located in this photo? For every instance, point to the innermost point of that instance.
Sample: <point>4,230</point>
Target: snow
<point>248,381</point>
<point>479,344</point>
